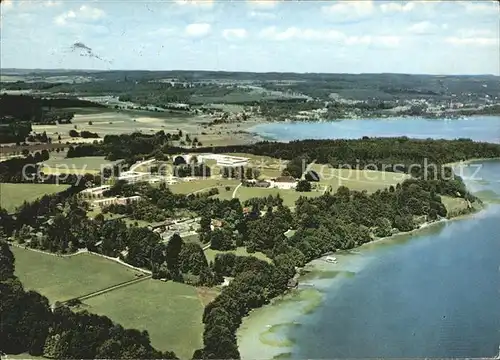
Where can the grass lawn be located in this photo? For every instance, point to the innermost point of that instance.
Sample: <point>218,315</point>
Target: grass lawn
<point>187,187</point>
<point>225,194</point>
<point>241,251</point>
<point>289,196</point>
<point>454,205</point>
<point>195,238</point>
<point>81,165</point>
<point>13,195</point>
<point>63,278</point>
<point>357,179</point>
<point>170,312</point>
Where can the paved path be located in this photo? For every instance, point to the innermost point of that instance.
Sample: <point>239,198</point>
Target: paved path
<point>236,190</point>
<point>139,164</point>
<point>111,288</point>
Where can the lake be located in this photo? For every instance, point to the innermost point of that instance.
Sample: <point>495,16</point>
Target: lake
<point>480,128</point>
<point>431,294</point>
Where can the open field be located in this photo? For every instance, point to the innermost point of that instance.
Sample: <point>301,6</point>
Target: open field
<point>225,194</point>
<point>109,121</point>
<point>170,312</point>
<point>187,187</point>
<point>13,195</point>
<point>80,165</point>
<point>368,180</point>
<point>63,278</point>
<point>455,205</point>
<point>241,251</point>
<point>289,196</point>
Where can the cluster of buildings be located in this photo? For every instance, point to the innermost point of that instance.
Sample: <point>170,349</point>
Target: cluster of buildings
<point>97,197</point>
<point>281,182</point>
<point>220,160</point>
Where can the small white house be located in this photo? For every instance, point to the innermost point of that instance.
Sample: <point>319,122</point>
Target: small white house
<point>331,259</point>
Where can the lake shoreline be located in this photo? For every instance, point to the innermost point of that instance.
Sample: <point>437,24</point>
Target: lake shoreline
<point>281,312</point>
<point>290,130</point>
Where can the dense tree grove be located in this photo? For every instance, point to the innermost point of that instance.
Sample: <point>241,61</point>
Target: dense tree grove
<point>30,326</point>
<point>124,146</point>
<point>18,112</point>
<point>389,154</point>
<point>29,170</point>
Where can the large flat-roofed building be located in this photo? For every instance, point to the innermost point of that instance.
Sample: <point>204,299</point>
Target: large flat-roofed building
<point>95,192</point>
<point>284,182</point>
<point>224,160</point>
<point>133,177</point>
<point>116,201</point>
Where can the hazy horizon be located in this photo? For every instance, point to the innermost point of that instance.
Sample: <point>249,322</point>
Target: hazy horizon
<point>229,71</point>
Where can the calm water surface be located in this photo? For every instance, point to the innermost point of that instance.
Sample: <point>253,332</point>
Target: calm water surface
<point>436,295</point>
<point>485,128</point>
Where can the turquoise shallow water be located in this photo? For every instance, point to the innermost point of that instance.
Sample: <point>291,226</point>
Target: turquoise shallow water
<point>435,294</point>
<point>485,128</point>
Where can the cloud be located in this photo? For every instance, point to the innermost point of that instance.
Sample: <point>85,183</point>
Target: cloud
<point>272,33</point>
<point>162,32</point>
<point>85,13</point>
<point>469,33</point>
<point>385,41</point>
<point>401,6</point>
<point>423,27</point>
<point>234,34</point>
<point>472,41</point>
<point>52,3</point>
<point>474,37</point>
<point>261,15</point>
<point>349,10</point>
<point>198,30</point>
<point>195,3</point>
<point>90,13</point>
<point>63,18</point>
<point>480,6</point>
<point>263,4</point>
<point>327,35</point>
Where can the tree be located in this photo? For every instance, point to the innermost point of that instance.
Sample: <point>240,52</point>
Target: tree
<point>205,228</point>
<point>74,133</point>
<point>383,228</point>
<point>303,186</point>
<point>174,247</point>
<point>179,160</point>
<point>192,259</point>
<point>6,261</point>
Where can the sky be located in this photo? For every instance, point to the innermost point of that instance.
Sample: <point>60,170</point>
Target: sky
<point>346,36</point>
